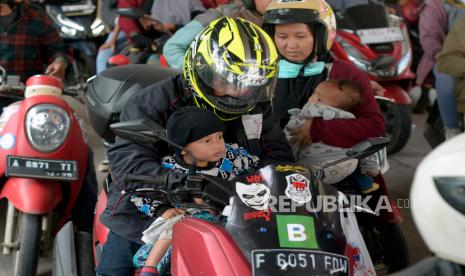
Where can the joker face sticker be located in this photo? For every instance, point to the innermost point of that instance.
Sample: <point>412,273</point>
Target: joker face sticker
<point>255,195</point>
<point>297,188</point>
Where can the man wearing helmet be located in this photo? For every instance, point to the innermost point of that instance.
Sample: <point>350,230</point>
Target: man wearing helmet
<point>230,69</point>
<point>177,45</point>
<point>304,32</point>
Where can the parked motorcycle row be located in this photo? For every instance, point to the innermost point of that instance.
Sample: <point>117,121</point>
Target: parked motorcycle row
<point>42,142</point>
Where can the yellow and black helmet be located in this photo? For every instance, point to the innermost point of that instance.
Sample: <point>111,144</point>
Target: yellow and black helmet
<point>316,13</point>
<point>230,66</point>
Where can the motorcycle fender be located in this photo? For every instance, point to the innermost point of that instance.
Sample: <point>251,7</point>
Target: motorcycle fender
<point>64,253</point>
<point>393,214</point>
<point>100,233</point>
<point>396,94</point>
<point>32,196</point>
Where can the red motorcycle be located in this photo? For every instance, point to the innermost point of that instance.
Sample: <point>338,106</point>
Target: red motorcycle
<point>379,44</point>
<point>43,160</point>
<point>109,91</point>
<point>262,236</point>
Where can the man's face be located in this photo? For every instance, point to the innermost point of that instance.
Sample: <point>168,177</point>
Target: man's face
<point>231,90</point>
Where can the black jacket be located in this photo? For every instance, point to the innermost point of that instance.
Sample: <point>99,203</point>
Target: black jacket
<point>158,102</point>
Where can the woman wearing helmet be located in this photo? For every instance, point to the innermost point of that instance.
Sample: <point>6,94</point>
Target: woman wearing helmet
<point>231,69</point>
<point>303,31</point>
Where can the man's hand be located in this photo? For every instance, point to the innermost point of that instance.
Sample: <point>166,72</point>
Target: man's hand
<point>109,45</point>
<point>378,90</point>
<point>151,23</point>
<point>172,212</point>
<point>141,42</point>
<point>301,136</point>
<point>57,69</point>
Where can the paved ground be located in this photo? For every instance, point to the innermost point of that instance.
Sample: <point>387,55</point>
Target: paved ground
<point>398,178</point>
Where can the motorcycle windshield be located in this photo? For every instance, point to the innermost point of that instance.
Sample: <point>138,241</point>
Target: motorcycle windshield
<point>282,220</point>
<point>354,18</point>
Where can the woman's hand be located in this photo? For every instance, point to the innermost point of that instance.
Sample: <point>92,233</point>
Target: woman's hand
<point>378,90</point>
<point>172,212</point>
<point>301,136</point>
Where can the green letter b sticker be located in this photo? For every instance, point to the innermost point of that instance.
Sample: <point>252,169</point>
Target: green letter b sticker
<point>296,231</point>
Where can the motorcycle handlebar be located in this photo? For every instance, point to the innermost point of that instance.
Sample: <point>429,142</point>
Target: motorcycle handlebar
<point>179,186</point>
<point>157,180</point>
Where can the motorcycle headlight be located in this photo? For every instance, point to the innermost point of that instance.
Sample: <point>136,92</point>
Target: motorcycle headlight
<point>68,27</point>
<point>406,58</point>
<point>97,27</point>
<point>354,55</point>
<point>47,127</point>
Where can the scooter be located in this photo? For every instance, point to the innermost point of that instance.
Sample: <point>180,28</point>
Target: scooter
<point>83,30</point>
<point>151,55</point>
<point>104,106</point>
<point>380,46</point>
<point>261,236</point>
<point>43,162</point>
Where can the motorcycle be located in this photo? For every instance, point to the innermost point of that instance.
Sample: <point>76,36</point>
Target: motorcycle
<point>43,166</point>
<point>109,91</point>
<point>150,55</point>
<point>83,30</point>
<point>261,236</point>
<point>380,46</point>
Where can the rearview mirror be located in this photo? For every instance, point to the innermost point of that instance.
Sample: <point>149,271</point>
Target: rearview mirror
<point>368,147</point>
<point>142,131</point>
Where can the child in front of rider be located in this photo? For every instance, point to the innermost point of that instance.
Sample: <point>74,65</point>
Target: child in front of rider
<point>333,99</point>
<point>200,132</point>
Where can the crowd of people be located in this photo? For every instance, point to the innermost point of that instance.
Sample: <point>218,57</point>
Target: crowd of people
<point>245,64</point>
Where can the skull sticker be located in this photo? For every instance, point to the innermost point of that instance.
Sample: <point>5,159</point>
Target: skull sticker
<point>255,195</point>
<point>298,188</point>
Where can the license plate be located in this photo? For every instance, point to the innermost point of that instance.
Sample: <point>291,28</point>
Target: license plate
<point>81,9</point>
<point>298,263</point>
<point>41,168</point>
<point>380,35</point>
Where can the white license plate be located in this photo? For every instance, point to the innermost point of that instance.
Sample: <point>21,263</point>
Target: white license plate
<point>83,9</point>
<point>266,262</point>
<point>380,35</point>
<point>41,168</point>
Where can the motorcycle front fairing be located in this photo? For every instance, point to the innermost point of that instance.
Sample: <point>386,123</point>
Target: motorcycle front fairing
<point>40,195</point>
<point>379,45</point>
<point>276,225</point>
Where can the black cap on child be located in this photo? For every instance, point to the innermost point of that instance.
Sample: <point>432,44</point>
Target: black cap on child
<point>191,123</point>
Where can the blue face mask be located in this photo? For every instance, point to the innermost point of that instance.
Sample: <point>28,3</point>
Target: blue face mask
<point>289,70</point>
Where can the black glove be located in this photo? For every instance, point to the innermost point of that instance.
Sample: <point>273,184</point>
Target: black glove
<point>141,42</point>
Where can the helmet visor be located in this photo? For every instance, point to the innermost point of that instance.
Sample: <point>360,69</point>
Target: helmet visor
<point>246,85</point>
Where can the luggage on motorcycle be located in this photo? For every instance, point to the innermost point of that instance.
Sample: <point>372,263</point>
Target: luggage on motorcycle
<point>110,90</point>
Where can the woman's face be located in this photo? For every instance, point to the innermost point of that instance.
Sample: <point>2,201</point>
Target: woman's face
<point>294,41</point>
